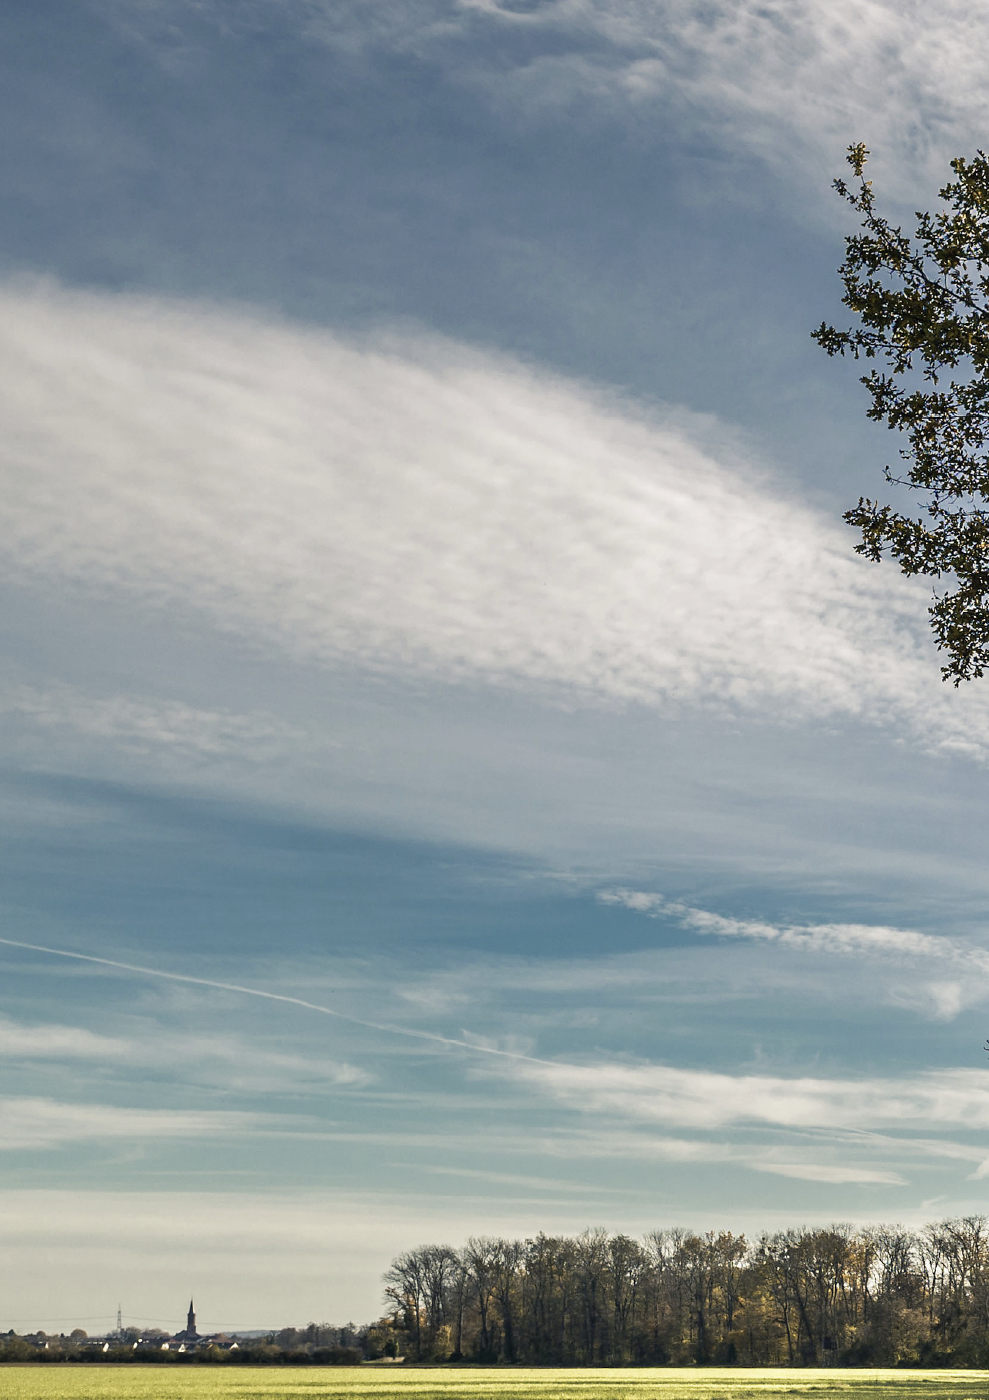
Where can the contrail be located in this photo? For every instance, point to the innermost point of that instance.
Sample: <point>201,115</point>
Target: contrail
<point>275,996</point>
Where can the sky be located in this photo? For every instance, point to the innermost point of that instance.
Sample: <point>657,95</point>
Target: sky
<point>456,777</point>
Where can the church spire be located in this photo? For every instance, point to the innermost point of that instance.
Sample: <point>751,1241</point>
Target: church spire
<point>191,1324</point>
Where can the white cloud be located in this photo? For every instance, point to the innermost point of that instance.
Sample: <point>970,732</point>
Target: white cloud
<point>861,940</point>
<point>699,1152</point>
<point>704,1099</point>
<point>837,1175</point>
<point>417,507</point>
<point>193,1058</point>
<point>59,1042</point>
<point>45,1123</point>
<point>827,1158</point>
<point>534,1183</point>
<point>791,81</point>
<point>827,938</point>
<point>142,723</point>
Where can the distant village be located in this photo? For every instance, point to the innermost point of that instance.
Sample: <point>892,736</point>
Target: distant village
<point>317,1344</point>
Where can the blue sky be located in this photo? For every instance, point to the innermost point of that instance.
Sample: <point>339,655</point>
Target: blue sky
<point>424,597</point>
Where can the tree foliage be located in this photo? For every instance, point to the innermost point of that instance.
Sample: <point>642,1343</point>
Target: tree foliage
<point>923,308</point>
<point>833,1296</point>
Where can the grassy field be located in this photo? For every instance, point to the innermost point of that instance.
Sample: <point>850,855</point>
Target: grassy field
<point>54,1382</point>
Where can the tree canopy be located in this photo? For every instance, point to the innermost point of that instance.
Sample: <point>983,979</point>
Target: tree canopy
<point>880,1295</point>
<point>923,308</point>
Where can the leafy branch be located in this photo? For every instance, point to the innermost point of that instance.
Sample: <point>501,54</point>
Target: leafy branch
<point>923,309</point>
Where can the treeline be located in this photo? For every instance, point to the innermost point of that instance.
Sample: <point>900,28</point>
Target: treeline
<point>880,1296</point>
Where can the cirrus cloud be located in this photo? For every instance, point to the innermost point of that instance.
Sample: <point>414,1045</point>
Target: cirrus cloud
<point>964,966</point>
<point>791,82</point>
<point>32,1123</point>
<point>412,506</point>
<point>704,1099</point>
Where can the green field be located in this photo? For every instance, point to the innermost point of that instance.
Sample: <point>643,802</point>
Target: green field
<point>58,1382</point>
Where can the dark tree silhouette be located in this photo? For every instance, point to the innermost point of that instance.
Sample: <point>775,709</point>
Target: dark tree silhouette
<point>923,308</point>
